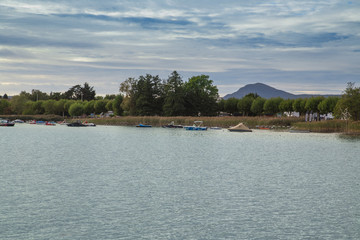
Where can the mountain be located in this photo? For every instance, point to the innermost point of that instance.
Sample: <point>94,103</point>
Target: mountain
<point>266,91</point>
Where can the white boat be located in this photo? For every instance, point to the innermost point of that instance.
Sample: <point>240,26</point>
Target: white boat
<point>196,127</point>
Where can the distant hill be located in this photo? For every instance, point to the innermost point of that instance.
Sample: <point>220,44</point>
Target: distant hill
<point>266,91</point>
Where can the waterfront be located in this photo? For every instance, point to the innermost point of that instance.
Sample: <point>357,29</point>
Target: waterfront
<point>112,182</point>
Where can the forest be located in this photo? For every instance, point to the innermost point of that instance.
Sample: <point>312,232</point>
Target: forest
<point>151,96</point>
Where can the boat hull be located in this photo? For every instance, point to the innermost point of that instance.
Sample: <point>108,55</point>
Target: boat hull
<point>193,128</point>
<point>239,130</point>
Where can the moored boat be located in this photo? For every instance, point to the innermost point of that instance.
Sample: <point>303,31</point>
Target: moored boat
<point>143,125</point>
<point>172,125</point>
<point>196,127</point>
<point>18,121</point>
<point>6,123</point>
<point>240,128</point>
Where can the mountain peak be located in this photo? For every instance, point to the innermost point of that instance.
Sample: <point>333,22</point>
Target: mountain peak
<point>262,90</point>
<point>267,92</point>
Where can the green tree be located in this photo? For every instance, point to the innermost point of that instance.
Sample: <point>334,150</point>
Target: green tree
<point>286,106</point>
<point>38,107</point>
<point>49,106</point>
<point>149,96</point>
<point>257,106</point>
<point>29,108</point>
<point>85,93</point>
<point>174,102</point>
<point>201,96</point>
<point>89,107</point>
<point>18,103</point>
<point>67,105</point>
<point>231,105</point>
<point>109,105</point>
<point>350,100</point>
<point>299,105</point>
<point>313,103</point>
<point>100,106</point>
<point>60,107</point>
<point>76,109</point>
<point>244,104</point>
<point>117,105</point>
<point>271,106</point>
<point>328,105</point>
<point>221,105</point>
<point>129,89</point>
<point>5,107</point>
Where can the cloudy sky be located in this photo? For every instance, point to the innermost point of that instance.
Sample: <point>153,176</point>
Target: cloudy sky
<point>310,46</point>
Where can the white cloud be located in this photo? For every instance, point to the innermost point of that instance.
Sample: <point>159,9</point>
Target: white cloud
<point>236,42</point>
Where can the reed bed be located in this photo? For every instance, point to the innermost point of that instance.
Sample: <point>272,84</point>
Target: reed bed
<point>223,122</point>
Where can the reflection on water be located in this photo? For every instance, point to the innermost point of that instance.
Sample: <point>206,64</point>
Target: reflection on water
<point>349,137</point>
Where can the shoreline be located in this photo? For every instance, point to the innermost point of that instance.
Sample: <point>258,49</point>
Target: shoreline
<point>272,123</point>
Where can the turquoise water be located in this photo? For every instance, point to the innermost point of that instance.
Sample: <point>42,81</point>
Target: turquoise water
<point>132,183</point>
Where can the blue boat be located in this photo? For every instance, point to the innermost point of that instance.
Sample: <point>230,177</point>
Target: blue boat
<point>143,125</point>
<point>196,127</point>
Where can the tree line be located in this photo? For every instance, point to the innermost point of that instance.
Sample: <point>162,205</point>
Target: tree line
<point>151,96</point>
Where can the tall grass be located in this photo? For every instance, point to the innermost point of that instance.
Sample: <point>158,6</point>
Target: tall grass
<point>224,122</point>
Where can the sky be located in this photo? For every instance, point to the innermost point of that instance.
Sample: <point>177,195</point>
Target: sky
<point>310,46</point>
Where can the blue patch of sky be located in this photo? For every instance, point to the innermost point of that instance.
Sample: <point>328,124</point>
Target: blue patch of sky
<point>8,40</point>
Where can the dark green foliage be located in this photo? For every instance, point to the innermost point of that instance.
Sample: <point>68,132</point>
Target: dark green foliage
<point>257,106</point>
<point>271,106</point>
<point>299,105</point>
<point>231,105</point>
<point>328,105</point>
<point>349,101</point>
<point>85,93</point>
<point>286,106</point>
<point>4,107</point>
<point>201,96</point>
<point>244,105</point>
<point>149,96</point>
<point>174,96</point>
<point>313,103</point>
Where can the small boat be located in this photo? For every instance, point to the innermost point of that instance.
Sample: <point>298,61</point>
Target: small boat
<point>215,128</point>
<point>196,127</point>
<point>240,128</point>
<point>172,125</point>
<point>143,125</point>
<point>6,123</point>
<point>76,124</point>
<point>89,124</point>
<point>32,122</point>
<point>18,121</point>
<point>50,123</point>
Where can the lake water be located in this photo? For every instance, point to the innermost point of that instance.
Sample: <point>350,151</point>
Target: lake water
<point>113,182</point>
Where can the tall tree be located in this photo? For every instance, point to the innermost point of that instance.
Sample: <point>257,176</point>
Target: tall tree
<point>116,105</point>
<point>149,95</point>
<point>271,105</point>
<point>174,102</point>
<point>350,100</point>
<point>77,92</point>
<point>230,105</point>
<point>201,96</point>
<point>257,106</point>
<point>244,104</point>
